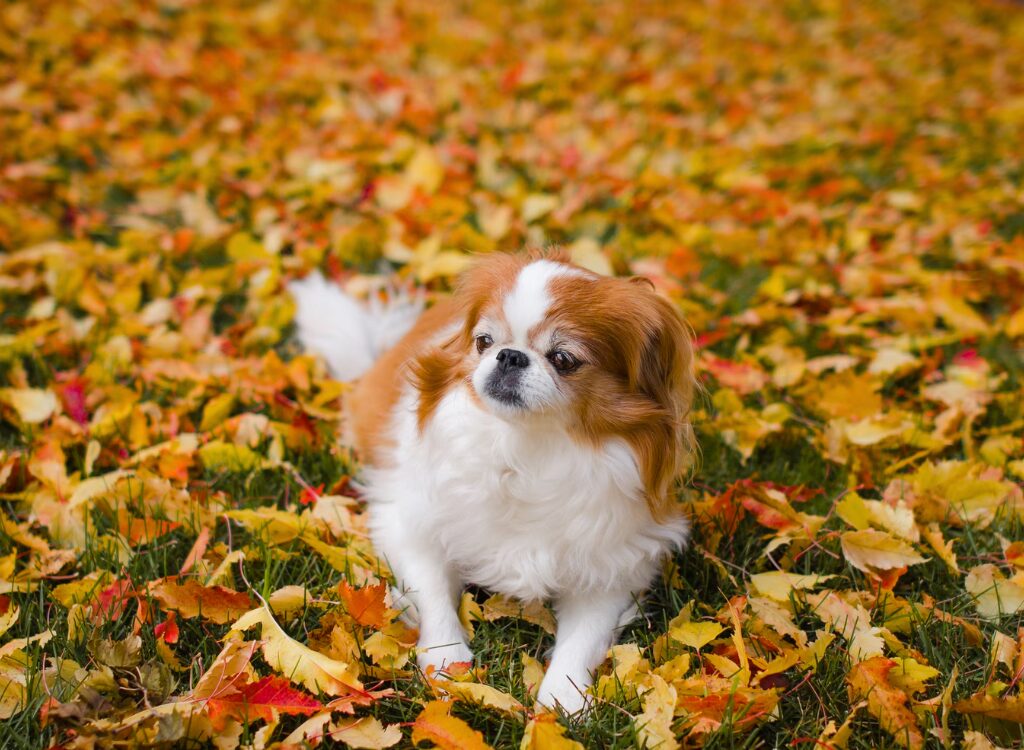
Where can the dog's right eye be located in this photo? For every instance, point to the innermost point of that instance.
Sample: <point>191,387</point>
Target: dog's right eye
<point>483,341</point>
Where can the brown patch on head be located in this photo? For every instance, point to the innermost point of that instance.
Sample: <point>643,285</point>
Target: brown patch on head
<point>438,369</point>
<point>638,381</point>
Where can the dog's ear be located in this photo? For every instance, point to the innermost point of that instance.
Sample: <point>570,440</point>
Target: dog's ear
<point>665,375</point>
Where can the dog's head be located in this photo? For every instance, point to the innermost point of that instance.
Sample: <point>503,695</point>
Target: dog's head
<point>543,341</point>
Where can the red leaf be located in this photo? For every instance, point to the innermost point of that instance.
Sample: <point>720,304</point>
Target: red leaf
<point>168,629</point>
<point>72,395</point>
<point>311,494</point>
<point>258,700</point>
<point>110,603</point>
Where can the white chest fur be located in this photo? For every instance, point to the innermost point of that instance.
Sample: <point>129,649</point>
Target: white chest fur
<point>521,509</point>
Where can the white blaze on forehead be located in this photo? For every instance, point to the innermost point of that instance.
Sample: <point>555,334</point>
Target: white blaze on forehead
<point>530,299</point>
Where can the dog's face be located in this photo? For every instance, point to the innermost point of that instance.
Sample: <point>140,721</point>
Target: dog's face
<point>525,358</point>
<point>545,341</point>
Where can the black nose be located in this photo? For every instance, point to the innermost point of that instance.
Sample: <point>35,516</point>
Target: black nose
<point>512,358</point>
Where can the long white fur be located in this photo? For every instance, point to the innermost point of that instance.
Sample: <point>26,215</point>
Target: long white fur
<point>520,507</point>
<point>346,333</point>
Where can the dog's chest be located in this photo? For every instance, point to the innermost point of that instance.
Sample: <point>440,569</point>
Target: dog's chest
<point>529,511</point>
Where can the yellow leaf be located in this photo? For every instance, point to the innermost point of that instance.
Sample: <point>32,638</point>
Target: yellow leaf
<point>33,405</point>
<point>288,600</point>
<point>1008,708</point>
<point>695,634</point>
<point>994,594</point>
<point>536,205</point>
<point>425,170</point>
<point>8,618</point>
<point>469,612</point>
<point>447,732</point>
<point>391,646</point>
<point>728,669</point>
<point>910,676</point>
<point>1015,324</point>
<point>483,695</point>
<point>367,733</point>
<point>586,252</point>
<point>778,618</point>
<point>779,585</point>
<point>533,674</point>
<point>943,549</point>
<point>978,741</point>
<point>787,660</point>
<point>217,409</point>
<point>299,663</point>
<point>498,606</point>
<point>874,430</point>
<point>851,621</point>
<point>870,550</point>
<point>218,455</point>
<point>543,732</point>
<point>13,693</point>
<point>273,525</point>
<point>654,724</point>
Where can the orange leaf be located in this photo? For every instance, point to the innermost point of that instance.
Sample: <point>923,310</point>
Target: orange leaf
<point>365,605</point>
<point>437,725</point>
<point>870,679</point>
<point>190,599</point>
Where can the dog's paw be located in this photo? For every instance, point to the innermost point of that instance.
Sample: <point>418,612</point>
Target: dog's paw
<point>561,691</point>
<point>439,658</point>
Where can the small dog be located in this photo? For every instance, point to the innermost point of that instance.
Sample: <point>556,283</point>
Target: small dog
<point>524,435</point>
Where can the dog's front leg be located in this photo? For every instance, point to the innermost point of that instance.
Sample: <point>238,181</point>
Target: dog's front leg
<point>425,578</point>
<point>587,627</point>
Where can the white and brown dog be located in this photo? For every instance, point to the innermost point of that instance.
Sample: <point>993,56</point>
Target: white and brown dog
<point>524,435</point>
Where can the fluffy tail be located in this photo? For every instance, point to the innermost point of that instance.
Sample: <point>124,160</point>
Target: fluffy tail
<point>348,334</point>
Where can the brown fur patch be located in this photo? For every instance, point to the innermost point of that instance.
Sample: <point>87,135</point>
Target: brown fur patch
<point>638,383</point>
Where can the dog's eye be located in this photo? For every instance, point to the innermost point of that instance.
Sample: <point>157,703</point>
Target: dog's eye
<point>563,361</point>
<point>483,341</point>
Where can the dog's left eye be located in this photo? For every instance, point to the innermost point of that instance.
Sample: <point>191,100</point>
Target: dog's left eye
<point>563,361</point>
<point>483,341</point>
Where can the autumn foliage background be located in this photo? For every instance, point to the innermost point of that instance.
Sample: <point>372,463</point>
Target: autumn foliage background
<point>831,193</point>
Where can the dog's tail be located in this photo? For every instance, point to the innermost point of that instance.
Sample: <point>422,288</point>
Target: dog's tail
<point>347,333</point>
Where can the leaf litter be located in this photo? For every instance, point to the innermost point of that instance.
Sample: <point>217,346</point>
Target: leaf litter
<point>831,198</point>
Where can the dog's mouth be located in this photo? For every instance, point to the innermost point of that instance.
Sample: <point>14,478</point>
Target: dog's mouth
<point>505,390</point>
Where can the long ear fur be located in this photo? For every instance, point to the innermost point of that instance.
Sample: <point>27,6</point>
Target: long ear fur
<point>664,375</point>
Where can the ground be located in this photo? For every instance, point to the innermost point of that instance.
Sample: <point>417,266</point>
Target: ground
<point>831,194</point>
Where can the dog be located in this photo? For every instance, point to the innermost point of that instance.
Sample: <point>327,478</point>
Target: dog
<point>524,435</point>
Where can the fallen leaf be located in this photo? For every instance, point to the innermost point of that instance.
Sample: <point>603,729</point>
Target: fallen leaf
<point>436,724</point>
<point>870,680</point>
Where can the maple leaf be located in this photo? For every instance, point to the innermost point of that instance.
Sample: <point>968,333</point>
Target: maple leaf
<point>366,605</point>
<point>191,599</point>
<point>260,700</point>
<point>870,680</point>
